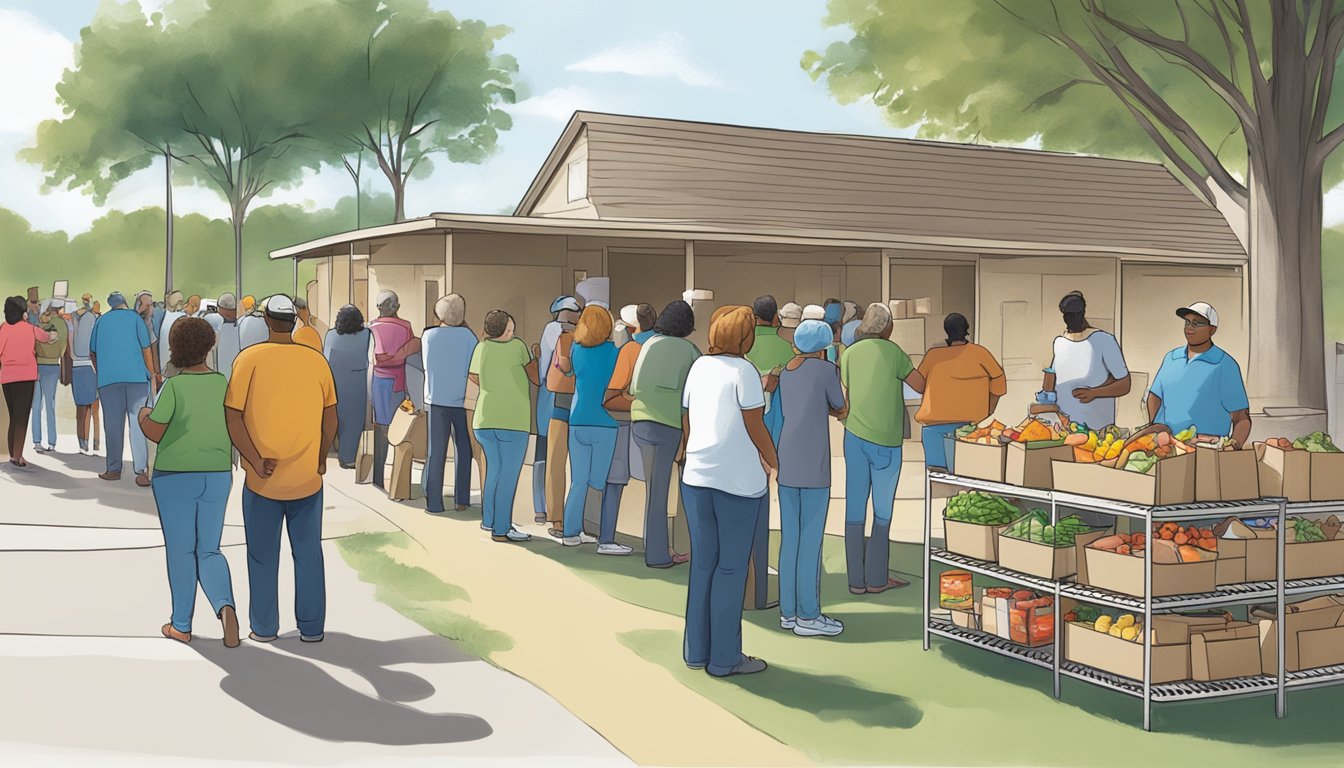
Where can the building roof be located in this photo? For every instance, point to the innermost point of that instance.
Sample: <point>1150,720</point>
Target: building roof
<point>892,190</point>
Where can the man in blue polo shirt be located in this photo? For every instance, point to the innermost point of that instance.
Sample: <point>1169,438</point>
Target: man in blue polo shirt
<point>1200,384</point>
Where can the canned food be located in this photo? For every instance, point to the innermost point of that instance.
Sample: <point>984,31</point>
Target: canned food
<point>955,592</point>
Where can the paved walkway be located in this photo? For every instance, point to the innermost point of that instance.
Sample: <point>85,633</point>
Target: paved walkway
<point>88,680</point>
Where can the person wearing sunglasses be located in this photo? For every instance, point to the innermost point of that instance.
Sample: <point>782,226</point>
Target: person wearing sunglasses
<point>1200,384</point>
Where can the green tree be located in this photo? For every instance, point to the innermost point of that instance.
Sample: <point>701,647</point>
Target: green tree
<point>116,123</point>
<point>1238,101</point>
<point>417,83</point>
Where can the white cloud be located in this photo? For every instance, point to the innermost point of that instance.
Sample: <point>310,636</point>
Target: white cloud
<point>556,104</point>
<point>34,55</point>
<point>664,56</point>
<point>1333,212</point>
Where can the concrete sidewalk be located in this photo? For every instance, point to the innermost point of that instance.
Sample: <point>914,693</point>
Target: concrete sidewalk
<point>89,680</point>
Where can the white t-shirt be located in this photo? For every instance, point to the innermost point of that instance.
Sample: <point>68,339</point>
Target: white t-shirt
<point>719,453</point>
<point>165,345</point>
<point>1087,363</point>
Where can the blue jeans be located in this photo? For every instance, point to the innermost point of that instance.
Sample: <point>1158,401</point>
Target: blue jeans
<point>658,445</point>
<point>44,401</point>
<point>591,450</point>
<point>774,418</point>
<point>191,511</point>
<point>802,524</point>
<point>870,468</point>
<point>262,519</point>
<point>935,445</point>
<point>445,422</point>
<point>122,404</point>
<point>722,528</point>
<point>505,450</point>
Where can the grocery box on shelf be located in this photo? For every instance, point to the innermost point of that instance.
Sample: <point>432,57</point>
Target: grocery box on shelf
<point>1032,622</point>
<point>1327,476</point>
<point>1031,467</point>
<point>1043,560</point>
<point>1226,475</point>
<point>1124,574</point>
<point>1171,628</point>
<point>1246,559</point>
<point>1171,481</point>
<point>1284,473</point>
<point>967,619</point>
<point>1313,634</point>
<point>982,462</point>
<point>1083,644</point>
<point>1310,556</point>
<point>971,540</point>
<point>1223,654</point>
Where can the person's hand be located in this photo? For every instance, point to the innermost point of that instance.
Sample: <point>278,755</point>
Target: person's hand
<point>322,466</point>
<point>145,411</point>
<point>536,351</point>
<point>681,456</point>
<point>267,467</point>
<point>1084,394</point>
<point>769,382</point>
<point>770,470</point>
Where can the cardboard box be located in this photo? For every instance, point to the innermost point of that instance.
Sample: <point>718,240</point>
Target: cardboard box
<point>923,306</point>
<point>1327,476</point>
<point>1312,559</point>
<point>1171,481</point>
<point>900,308</point>
<point>994,616</point>
<point>1084,645</point>
<point>1124,574</point>
<point>1284,473</point>
<point>971,540</point>
<point>1226,475</point>
<point>967,619</point>
<point>1031,467</point>
<point>1042,560</point>
<point>1032,626</point>
<point>909,334</point>
<point>1170,628</point>
<point>1224,654</point>
<point>1313,634</point>
<point>1251,559</point>
<point>983,462</point>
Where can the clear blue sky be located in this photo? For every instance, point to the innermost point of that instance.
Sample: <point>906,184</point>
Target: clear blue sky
<point>734,62</point>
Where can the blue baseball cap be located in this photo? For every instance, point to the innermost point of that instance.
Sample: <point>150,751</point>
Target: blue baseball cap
<point>115,299</point>
<point>812,336</point>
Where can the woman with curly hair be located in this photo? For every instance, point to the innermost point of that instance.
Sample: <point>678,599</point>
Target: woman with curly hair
<point>193,474</point>
<point>347,350</point>
<point>727,452</point>
<point>18,371</point>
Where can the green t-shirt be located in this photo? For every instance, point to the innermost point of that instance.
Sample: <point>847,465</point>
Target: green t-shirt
<point>768,351</point>
<point>873,371</point>
<point>51,352</point>
<point>192,405</point>
<point>505,401</point>
<point>659,378</point>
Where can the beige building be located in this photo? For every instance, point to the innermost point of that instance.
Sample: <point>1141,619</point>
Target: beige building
<point>666,206</point>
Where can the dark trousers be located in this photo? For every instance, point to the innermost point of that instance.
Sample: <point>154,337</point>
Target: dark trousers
<point>658,445</point>
<point>445,422</point>
<point>722,529</point>
<point>262,520</point>
<point>19,403</point>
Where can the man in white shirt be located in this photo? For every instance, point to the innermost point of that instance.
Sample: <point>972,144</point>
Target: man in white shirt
<point>1087,372</point>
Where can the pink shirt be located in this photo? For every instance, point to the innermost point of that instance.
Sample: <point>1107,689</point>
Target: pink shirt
<point>18,351</point>
<point>389,335</point>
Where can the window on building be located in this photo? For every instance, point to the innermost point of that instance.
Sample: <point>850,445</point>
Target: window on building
<point>578,180</point>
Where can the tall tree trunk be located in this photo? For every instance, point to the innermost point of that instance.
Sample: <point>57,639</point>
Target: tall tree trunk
<point>168,208</point>
<point>238,254</point>
<point>1287,365</point>
<point>399,199</point>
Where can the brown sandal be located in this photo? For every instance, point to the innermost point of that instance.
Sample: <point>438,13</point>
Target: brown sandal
<point>172,634</point>
<point>229,618</point>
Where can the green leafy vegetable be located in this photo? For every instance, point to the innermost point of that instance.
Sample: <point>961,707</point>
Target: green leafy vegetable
<point>1316,442</point>
<point>981,509</point>
<point>1036,527</point>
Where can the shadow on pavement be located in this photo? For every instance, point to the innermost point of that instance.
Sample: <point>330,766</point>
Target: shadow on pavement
<point>121,494</point>
<point>297,694</point>
<point>370,660</point>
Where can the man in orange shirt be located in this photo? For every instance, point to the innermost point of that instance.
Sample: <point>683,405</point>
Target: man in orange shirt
<point>305,333</point>
<point>280,409</point>
<point>962,385</point>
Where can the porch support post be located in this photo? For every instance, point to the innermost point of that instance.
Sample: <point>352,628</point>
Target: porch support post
<point>690,265</point>
<point>884,268</point>
<point>447,263</point>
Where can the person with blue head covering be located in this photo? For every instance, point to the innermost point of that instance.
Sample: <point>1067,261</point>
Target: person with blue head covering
<point>833,313</point>
<point>809,395</point>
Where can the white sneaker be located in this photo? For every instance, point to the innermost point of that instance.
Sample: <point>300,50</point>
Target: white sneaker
<point>513,535</point>
<point>787,622</point>
<point>582,538</point>
<point>822,626</point>
<point>613,549</point>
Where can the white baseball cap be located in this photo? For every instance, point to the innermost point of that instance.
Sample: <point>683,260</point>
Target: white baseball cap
<point>280,307</point>
<point>630,316</point>
<point>814,312</point>
<point>1201,308</point>
<point>790,315</point>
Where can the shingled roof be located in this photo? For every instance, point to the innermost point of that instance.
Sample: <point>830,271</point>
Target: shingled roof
<point>649,169</point>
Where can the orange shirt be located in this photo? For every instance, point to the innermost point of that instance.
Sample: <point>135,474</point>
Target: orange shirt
<point>308,337</point>
<point>960,381</point>
<point>620,378</point>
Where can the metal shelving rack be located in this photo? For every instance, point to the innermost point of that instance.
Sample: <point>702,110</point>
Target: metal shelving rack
<point>1051,657</point>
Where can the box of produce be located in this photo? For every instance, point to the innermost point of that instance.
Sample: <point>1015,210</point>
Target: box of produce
<point>1032,545</point>
<point>1031,467</point>
<point>1225,474</point>
<point>1313,548</point>
<point>1093,446</point>
<point>1327,466</point>
<point>1143,482</point>
<point>1245,552</point>
<point>981,460</point>
<point>1180,567</point>
<point>1313,632</point>
<point>972,521</point>
<point>1224,654</point>
<point>1285,471</point>
<point>1032,622</point>
<point>1115,644</point>
<point>982,452</point>
<point>996,605</point>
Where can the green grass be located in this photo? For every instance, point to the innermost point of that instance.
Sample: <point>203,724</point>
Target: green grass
<point>418,594</point>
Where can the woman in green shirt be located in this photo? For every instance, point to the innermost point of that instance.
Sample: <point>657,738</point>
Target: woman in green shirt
<point>192,478</point>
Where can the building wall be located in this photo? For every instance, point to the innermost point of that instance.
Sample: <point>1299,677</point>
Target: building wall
<point>554,199</point>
